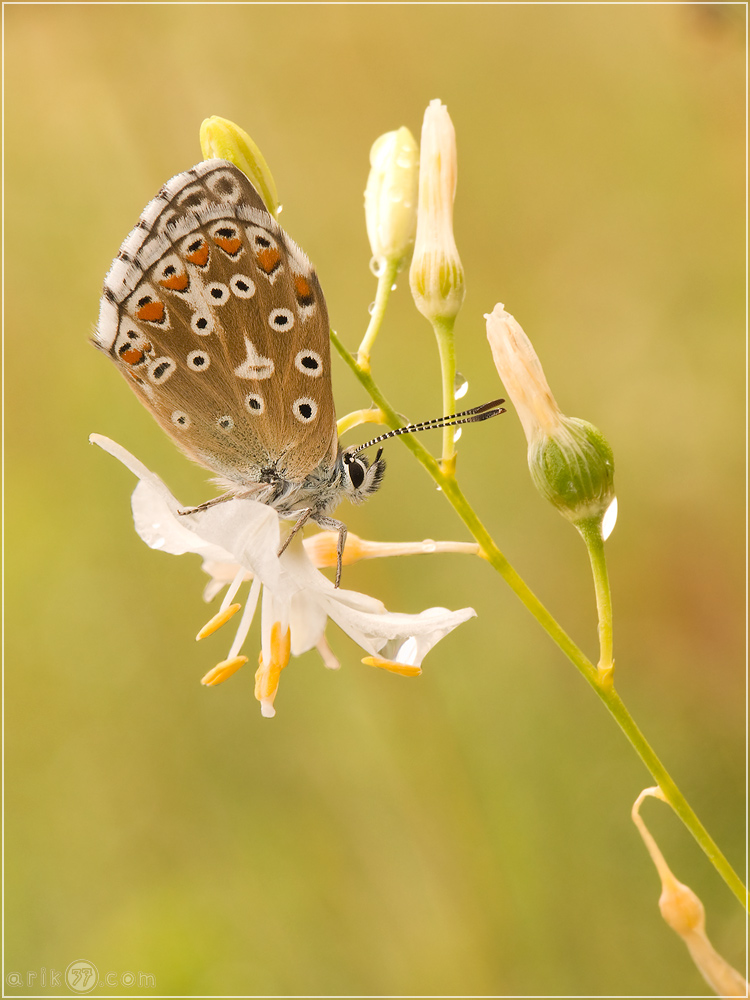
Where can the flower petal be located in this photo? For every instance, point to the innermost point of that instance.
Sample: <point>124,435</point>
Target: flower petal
<point>238,531</point>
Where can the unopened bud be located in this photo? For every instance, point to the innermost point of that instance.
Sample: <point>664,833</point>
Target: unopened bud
<point>570,461</point>
<point>436,275</point>
<point>223,140</point>
<point>391,197</point>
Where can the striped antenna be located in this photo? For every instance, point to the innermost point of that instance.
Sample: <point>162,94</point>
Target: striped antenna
<point>473,416</point>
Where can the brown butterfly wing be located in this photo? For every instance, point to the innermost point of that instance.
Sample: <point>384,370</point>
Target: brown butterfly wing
<point>218,321</point>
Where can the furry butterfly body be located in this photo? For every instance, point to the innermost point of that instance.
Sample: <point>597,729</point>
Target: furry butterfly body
<point>217,320</point>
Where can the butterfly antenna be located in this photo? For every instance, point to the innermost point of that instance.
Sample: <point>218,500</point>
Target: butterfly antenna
<point>473,416</point>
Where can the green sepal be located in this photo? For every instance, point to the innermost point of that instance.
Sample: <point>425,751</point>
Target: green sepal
<point>574,470</point>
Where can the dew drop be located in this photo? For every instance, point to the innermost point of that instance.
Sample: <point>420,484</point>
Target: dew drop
<point>429,545</point>
<point>371,308</point>
<point>457,434</point>
<point>376,266</point>
<point>460,385</point>
<point>609,520</point>
<point>393,287</point>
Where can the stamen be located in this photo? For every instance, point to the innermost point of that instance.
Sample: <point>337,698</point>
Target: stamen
<point>234,586</point>
<point>267,675</point>
<point>219,619</point>
<point>247,618</point>
<point>223,670</point>
<point>402,669</point>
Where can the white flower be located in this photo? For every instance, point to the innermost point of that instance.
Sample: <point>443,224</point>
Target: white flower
<point>238,540</point>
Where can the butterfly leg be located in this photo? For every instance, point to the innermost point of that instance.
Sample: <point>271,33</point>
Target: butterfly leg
<point>208,503</point>
<point>333,525</point>
<point>303,515</point>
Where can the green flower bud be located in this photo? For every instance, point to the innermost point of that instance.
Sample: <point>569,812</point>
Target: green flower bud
<point>574,468</point>
<point>570,461</point>
<point>223,140</point>
<point>391,198</point>
<point>437,275</point>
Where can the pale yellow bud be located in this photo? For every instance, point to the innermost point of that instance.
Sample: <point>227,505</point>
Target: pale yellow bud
<point>391,198</point>
<point>223,140</point>
<point>436,275</point>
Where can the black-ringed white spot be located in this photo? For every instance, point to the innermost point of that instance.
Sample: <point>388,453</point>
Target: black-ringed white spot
<point>224,185</point>
<point>217,293</point>
<point>198,361</point>
<point>255,403</point>
<point>225,423</point>
<point>181,419</point>
<point>202,324</point>
<point>281,319</point>
<point>160,370</point>
<point>242,286</point>
<point>309,363</point>
<point>305,409</point>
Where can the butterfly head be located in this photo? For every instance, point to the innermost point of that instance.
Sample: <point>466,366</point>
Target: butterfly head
<point>360,479</point>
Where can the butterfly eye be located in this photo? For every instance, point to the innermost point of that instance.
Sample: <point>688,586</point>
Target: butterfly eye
<point>255,403</point>
<point>309,363</point>
<point>198,361</point>
<point>356,470</point>
<point>304,409</point>
<point>281,319</point>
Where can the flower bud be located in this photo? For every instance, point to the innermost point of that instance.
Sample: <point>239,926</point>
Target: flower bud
<point>436,275</point>
<point>223,140</point>
<point>391,197</point>
<point>570,461</point>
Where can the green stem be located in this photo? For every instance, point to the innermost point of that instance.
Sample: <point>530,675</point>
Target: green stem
<point>444,334</point>
<point>601,683</point>
<point>385,286</point>
<point>591,530</point>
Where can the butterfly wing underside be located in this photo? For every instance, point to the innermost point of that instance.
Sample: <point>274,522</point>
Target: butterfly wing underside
<point>218,322</point>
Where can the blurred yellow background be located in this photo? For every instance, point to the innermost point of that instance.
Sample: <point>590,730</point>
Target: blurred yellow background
<point>467,832</point>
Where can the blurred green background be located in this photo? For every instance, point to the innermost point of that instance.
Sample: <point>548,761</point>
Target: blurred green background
<point>467,832</point>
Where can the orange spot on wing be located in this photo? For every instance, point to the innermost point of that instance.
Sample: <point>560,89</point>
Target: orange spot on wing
<point>151,312</point>
<point>268,259</point>
<point>230,244</point>
<point>176,282</point>
<point>199,255</point>
<point>303,290</point>
<point>132,356</point>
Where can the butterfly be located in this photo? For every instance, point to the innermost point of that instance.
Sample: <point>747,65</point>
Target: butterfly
<point>217,320</point>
